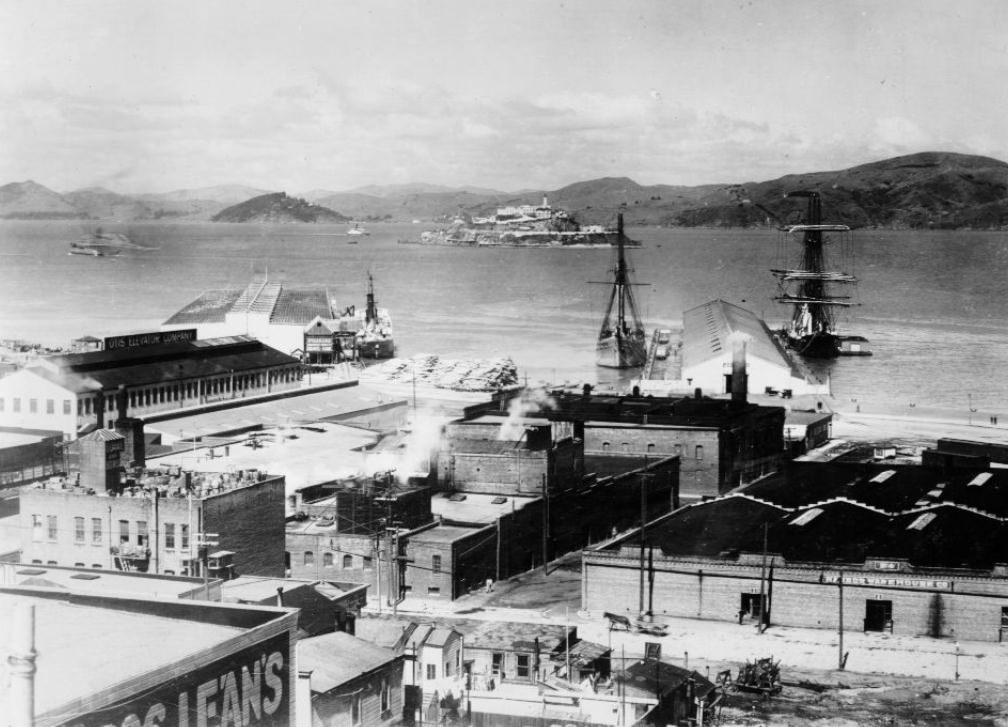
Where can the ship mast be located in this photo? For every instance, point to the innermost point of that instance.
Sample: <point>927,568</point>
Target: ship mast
<point>371,312</point>
<point>621,294</point>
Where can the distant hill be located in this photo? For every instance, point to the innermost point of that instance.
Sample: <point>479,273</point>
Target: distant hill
<point>30,200</point>
<point>925,190</point>
<point>277,207</point>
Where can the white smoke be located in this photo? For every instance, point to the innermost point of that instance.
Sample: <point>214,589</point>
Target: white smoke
<point>531,401</point>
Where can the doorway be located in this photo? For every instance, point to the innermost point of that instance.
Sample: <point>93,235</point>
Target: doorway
<point>878,616</point>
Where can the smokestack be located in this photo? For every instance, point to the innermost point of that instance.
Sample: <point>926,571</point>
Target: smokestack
<point>619,224</point>
<point>121,401</point>
<point>100,409</point>
<point>739,378</point>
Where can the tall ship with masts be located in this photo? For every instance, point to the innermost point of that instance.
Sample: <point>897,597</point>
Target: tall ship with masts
<point>622,342</point>
<point>374,335</point>
<point>814,289</point>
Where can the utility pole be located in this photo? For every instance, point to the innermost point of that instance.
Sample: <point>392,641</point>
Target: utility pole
<point>840,657</point>
<point>762,586</point>
<point>643,522</point>
<point>545,527</point>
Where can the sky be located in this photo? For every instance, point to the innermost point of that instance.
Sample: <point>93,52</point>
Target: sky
<point>140,96</point>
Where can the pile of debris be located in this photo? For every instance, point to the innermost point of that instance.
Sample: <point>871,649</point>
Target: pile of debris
<point>762,675</point>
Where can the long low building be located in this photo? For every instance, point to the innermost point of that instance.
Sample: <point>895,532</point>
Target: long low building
<point>908,550</point>
<point>81,391</point>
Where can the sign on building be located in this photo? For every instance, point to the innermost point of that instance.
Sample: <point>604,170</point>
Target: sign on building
<point>155,338</point>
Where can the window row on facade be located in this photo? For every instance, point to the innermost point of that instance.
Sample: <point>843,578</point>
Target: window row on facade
<point>651,447</point>
<point>129,533</point>
<point>33,405</point>
<point>348,561</point>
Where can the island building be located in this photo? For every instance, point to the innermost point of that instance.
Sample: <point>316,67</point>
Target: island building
<point>713,336</point>
<point>237,662</point>
<point>303,322</point>
<point>163,521</point>
<point>902,549</point>
<point>140,376</point>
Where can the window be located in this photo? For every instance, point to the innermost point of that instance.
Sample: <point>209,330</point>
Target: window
<point>96,565</point>
<point>36,528</point>
<point>605,446</point>
<point>79,565</point>
<point>17,403</point>
<point>169,536</point>
<point>386,694</point>
<point>185,536</point>
<point>123,532</point>
<point>309,558</point>
<point>432,671</point>
<point>651,447</point>
<point>368,562</point>
<point>447,668</point>
<point>141,532</point>
<point>327,560</point>
<point>699,451</point>
<point>96,531</point>
<point>50,406</point>
<point>66,406</point>
<point>625,446</point>
<point>33,406</point>
<point>434,590</point>
<point>348,561</point>
<point>78,530</point>
<point>51,562</point>
<point>355,710</point>
<point>436,563</point>
<point>498,664</point>
<point>523,666</point>
<point>53,530</point>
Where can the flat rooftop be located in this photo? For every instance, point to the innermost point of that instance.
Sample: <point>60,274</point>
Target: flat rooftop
<point>442,534</point>
<point>84,649</point>
<point>98,580</point>
<point>329,404</point>
<point>476,508</point>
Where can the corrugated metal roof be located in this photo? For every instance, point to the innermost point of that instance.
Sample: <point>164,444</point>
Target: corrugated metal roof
<point>707,327</point>
<point>296,306</point>
<point>102,435</point>
<point>210,307</point>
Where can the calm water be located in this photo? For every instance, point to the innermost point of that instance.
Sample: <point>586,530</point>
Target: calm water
<point>934,304</point>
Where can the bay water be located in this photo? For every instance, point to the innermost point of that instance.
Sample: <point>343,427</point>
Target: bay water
<point>934,304</point>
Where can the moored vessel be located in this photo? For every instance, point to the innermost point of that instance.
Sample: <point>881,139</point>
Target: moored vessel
<point>374,336</point>
<point>813,289</point>
<point>622,341</point>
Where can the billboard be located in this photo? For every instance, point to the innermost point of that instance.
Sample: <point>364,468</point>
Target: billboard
<point>154,338</point>
<point>249,687</point>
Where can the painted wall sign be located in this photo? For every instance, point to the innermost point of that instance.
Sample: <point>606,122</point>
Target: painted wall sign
<point>248,688</point>
<point>155,338</point>
<point>884,581</point>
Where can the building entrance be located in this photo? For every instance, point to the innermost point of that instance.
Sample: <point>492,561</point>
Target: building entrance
<point>878,616</point>
<point>751,606</point>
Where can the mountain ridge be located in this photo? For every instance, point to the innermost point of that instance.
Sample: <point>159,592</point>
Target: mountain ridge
<point>931,189</point>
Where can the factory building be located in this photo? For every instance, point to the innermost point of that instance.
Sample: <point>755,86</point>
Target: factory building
<point>235,662</point>
<point>142,375</point>
<point>29,454</point>
<point>909,550</point>
<point>153,520</point>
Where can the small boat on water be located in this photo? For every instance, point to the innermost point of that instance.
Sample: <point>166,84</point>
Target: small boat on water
<point>100,244</point>
<point>813,289</point>
<point>622,341</point>
<point>357,231</point>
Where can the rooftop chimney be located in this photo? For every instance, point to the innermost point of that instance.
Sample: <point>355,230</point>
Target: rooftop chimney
<point>739,378</point>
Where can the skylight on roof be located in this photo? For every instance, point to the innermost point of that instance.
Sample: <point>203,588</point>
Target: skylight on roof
<point>922,522</point>
<point>882,476</point>
<point>980,479</point>
<point>806,517</point>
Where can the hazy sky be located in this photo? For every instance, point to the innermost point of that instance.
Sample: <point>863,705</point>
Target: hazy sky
<point>153,96</point>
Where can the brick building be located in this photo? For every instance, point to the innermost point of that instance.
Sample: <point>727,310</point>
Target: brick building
<point>323,606</point>
<point>906,549</point>
<point>149,520</point>
<point>720,443</point>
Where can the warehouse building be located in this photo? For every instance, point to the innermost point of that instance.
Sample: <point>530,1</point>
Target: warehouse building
<point>141,375</point>
<point>233,661</point>
<point>904,549</point>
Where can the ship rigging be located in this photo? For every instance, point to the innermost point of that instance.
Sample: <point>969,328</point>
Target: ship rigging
<point>622,342</point>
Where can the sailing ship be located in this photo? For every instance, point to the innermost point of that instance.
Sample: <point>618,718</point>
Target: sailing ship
<point>813,289</point>
<point>622,342</point>
<point>374,336</point>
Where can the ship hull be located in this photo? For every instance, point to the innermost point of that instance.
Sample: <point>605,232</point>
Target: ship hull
<point>384,348</point>
<point>620,353</point>
<point>818,345</point>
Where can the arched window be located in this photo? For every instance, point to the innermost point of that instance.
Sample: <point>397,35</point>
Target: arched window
<point>309,558</point>
<point>605,446</point>
<point>651,447</point>
<point>699,451</point>
<point>327,560</point>
<point>347,561</point>
<point>626,446</point>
